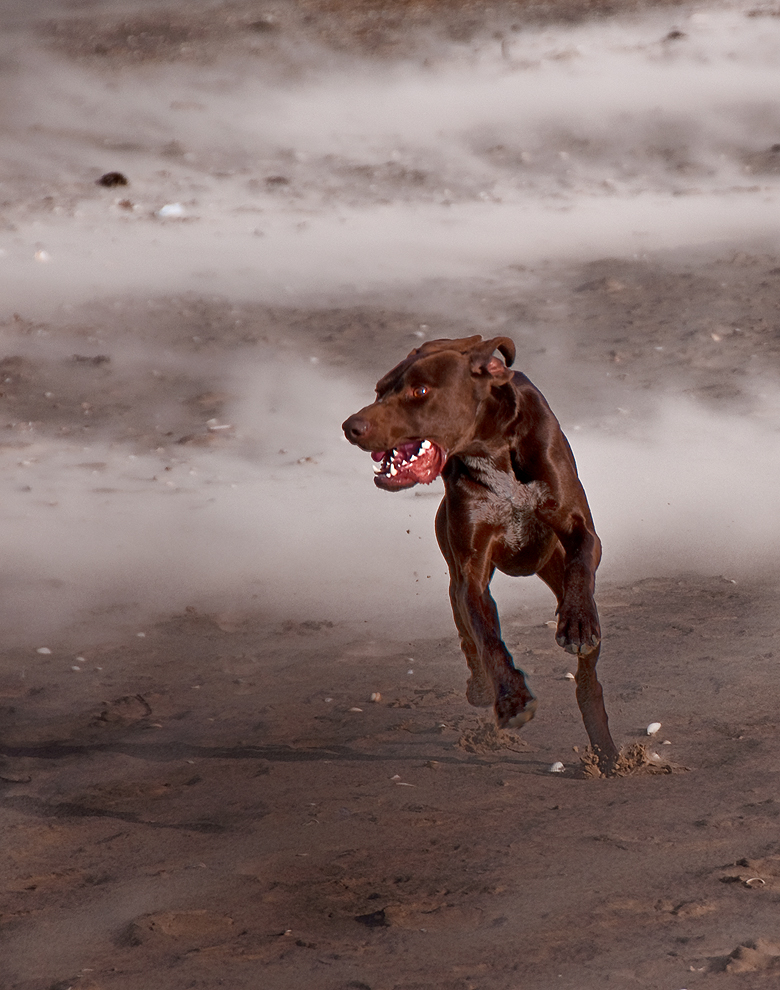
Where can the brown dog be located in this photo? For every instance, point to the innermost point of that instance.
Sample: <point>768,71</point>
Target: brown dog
<point>513,501</point>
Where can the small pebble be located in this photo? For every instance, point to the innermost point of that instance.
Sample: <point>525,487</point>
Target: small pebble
<point>375,696</point>
<point>653,728</point>
<point>111,179</point>
<point>557,767</point>
<point>43,649</point>
<point>356,709</point>
<point>569,676</point>
<point>141,635</point>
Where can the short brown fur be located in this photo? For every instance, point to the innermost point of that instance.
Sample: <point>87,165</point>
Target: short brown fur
<point>513,501</point>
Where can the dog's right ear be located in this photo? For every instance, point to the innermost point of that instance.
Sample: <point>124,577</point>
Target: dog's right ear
<point>484,361</point>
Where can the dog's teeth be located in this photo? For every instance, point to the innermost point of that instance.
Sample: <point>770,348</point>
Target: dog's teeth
<point>393,471</point>
<point>379,468</point>
<point>425,445</point>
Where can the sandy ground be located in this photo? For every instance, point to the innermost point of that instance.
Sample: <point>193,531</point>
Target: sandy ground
<point>203,590</point>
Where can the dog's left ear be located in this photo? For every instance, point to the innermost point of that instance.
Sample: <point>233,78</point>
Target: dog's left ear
<point>484,362</point>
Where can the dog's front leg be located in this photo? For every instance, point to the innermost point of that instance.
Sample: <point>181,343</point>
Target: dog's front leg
<point>579,629</point>
<point>590,699</point>
<point>475,610</point>
<point>466,547</point>
<point>571,573</point>
<point>479,689</point>
<point>590,695</point>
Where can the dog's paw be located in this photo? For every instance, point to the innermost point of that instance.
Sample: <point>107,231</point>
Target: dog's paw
<point>519,718</point>
<point>515,704</point>
<point>578,632</point>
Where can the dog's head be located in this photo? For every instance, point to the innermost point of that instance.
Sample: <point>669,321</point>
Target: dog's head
<point>429,407</point>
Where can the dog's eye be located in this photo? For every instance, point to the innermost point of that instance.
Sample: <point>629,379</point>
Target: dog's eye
<point>420,391</point>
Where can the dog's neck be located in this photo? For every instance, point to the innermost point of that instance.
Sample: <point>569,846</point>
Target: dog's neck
<point>483,469</point>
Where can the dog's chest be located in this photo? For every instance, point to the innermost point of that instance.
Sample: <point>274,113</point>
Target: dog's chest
<point>509,504</point>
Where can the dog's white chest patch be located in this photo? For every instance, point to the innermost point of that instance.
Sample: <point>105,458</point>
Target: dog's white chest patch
<point>512,505</point>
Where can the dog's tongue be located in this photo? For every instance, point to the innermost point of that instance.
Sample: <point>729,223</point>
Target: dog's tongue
<point>378,455</point>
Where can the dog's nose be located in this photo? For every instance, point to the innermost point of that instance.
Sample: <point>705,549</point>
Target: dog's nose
<point>355,427</point>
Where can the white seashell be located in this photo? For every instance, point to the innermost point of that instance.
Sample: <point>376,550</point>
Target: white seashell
<point>568,676</point>
<point>43,649</point>
<point>653,728</point>
<point>171,210</point>
<point>356,709</point>
<point>557,767</point>
<point>375,696</point>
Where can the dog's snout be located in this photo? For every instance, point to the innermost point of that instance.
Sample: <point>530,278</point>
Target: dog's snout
<point>355,428</point>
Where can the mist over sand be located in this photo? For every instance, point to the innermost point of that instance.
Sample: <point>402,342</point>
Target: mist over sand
<point>428,188</point>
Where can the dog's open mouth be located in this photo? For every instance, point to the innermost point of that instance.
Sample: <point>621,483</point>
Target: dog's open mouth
<point>418,462</point>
